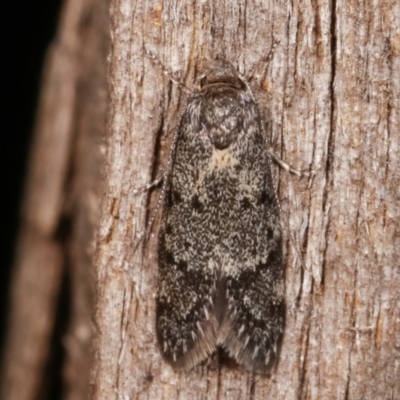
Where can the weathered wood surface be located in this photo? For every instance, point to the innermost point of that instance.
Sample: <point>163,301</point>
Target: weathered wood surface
<point>332,89</point>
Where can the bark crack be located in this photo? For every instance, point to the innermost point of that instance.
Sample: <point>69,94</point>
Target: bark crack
<point>124,328</point>
<point>331,138</point>
<point>303,366</point>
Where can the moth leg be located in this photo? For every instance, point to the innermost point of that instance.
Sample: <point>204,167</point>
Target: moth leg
<point>289,168</point>
<point>165,71</point>
<point>143,238</point>
<point>150,185</point>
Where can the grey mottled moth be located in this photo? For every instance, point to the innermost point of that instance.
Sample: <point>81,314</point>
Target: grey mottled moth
<point>221,272</point>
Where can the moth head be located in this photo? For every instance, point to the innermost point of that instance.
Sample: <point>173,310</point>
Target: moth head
<point>221,72</point>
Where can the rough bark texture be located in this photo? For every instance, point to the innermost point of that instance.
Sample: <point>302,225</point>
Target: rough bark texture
<point>333,92</point>
<point>332,89</point>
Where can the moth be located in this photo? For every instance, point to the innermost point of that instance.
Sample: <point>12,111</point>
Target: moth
<point>221,269</point>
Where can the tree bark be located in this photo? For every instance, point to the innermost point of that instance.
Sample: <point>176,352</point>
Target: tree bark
<point>330,91</point>
<point>333,96</point>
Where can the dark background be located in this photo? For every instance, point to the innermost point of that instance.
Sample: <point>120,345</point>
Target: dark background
<point>27,28</point>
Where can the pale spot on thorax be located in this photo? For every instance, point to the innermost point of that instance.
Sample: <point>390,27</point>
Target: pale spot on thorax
<point>221,159</point>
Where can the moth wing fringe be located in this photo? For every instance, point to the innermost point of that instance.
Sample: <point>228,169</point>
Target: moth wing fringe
<point>243,350</point>
<point>204,345</point>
